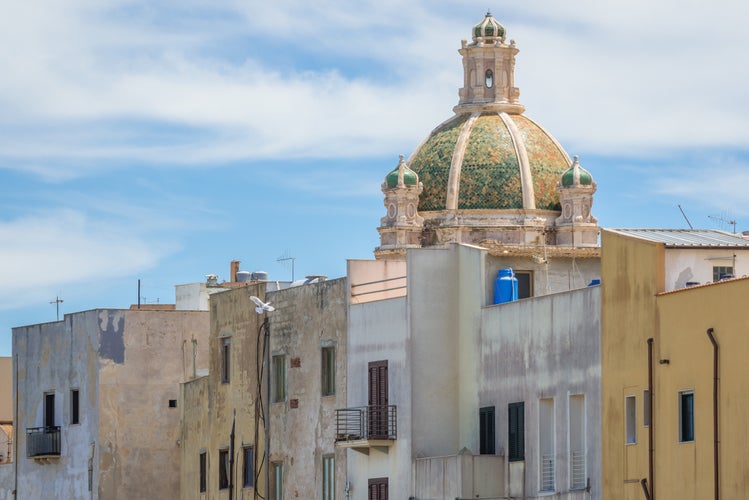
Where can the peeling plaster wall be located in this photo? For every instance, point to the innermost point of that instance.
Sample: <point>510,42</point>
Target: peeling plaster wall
<point>144,356</point>
<point>210,405</point>
<point>306,319</point>
<point>545,347</point>
<point>696,266</point>
<point>57,357</point>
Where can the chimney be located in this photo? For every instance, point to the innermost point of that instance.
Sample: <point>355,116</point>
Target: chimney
<point>234,270</point>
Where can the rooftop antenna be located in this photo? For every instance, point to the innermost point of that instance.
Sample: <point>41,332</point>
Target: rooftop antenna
<point>725,220</point>
<point>285,257</point>
<point>57,303</point>
<point>685,217</point>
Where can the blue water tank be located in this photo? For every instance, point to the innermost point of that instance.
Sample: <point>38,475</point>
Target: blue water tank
<point>505,286</point>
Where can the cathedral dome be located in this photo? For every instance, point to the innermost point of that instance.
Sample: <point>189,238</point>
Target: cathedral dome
<point>489,160</point>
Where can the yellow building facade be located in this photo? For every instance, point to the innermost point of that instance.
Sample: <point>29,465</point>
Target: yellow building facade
<point>673,420</point>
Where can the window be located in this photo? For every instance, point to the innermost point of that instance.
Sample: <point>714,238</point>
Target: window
<point>172,403</point>
<point>203,471</point>
<point>489,77</point>
<point>646,408</point>
<point>49,409</point>
<point>279,378</point>
<point>277,469</point>
<point>578,472</point>
<point>378,488</point>
<point>722,272</point>
<point>223,469</point>
<point>686,416</point>
<point>225,360</point>
<point>328,371</point>
<point>630,419</point>
<point>546,444</point>
<point>486,430</point>
<point>328,477</point>
<point>516,432</point>
<point>525,284</point>
<point>248,467</point>
<point>75,415</point>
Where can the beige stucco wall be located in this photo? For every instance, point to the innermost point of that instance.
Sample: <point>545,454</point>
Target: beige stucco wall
<point>138,432</point>
<point>6,389</point>
<point>211,407</point>
<point>632,272</point>
<point>685,470</point>
<point>306,319</point>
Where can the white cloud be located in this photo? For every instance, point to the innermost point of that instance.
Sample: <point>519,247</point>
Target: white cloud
<point>84,81</point>
<point>44,251</point>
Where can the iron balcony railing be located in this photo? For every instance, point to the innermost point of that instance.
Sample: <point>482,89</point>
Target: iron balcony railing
<point>42,441</point>
<point>366,422</point>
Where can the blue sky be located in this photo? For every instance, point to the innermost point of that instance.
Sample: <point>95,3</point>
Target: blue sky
<point>160,140</point>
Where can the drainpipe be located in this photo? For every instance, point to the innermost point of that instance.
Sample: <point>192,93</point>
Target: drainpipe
<point>715,413</point>
<point>651,471</point>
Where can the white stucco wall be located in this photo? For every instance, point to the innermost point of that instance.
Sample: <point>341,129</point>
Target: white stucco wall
<point>378,331</point>
<point>545,347</point>
<point>696,266</point>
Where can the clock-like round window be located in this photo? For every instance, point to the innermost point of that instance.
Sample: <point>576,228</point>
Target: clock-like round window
<point>489,78</point>
<point>391,210</point>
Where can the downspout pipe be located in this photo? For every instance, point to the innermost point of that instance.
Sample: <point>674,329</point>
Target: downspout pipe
<point>651,468</point>
<point>716,468</point>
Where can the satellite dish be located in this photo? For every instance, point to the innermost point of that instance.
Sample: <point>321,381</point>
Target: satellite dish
<point>261,306</point>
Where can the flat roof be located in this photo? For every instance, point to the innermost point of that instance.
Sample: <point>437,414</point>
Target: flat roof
<point>687,238</point>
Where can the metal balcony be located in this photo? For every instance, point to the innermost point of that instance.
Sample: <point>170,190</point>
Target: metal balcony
<point>42,442</point>
<point>366,427</point>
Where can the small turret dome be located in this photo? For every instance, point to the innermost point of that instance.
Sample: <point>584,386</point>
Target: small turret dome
<point>488,29</point>
<point>576,175</point>
<point>410,178</point>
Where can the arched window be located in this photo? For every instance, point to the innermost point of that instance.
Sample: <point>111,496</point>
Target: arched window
<point>489,78</point>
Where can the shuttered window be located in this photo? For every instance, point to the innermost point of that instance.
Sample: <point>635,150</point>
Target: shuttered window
<point>378,488</point>
<point>378,400</point>
<point>486,430</point>
<point>516,432</point>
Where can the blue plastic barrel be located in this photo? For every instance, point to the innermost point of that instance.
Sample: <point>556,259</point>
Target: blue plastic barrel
<point>505,286</point>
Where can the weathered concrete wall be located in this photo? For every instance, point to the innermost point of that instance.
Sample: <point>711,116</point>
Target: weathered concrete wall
<point>303,427</point>
<point>545,347</point>
<point>211,406</point>
<point>6,389</point>
<point>144,356</point>
<point>6,482</point>
<point>55,358</point>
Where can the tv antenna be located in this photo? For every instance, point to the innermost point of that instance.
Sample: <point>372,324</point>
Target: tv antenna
<point>685,217</point>
<point>724,220</point>
<point>57,303</point>
<point>285,258</point>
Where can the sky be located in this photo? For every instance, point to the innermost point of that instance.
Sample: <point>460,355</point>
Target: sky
<point>158,141</point>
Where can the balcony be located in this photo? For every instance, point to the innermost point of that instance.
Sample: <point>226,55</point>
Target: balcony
<point>367,427</point>
<point>43,443</point>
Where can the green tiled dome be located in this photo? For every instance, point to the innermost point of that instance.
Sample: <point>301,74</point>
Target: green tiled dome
<point>489,28</point>
<point>490,171</point>
<point>568,178</point>
<point>409,177</point>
